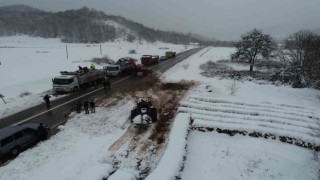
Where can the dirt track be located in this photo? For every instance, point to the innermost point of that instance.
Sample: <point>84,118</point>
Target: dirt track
<point>146,143</point>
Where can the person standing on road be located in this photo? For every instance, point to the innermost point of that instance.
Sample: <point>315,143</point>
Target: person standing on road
<point>46,98</point>
<point>92,106</point>
<point>86,107</point>
<point>106,83</point>
<point>78,106</point>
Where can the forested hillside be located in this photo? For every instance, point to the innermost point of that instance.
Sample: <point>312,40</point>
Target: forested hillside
<point>83,25</point>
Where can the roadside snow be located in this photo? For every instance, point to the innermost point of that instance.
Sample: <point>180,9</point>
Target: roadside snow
<point>28,64</point>
<point>171,161</point>
<point>121,175</point>
<point>78,151</point>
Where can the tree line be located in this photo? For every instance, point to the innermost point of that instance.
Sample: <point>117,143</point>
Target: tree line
<point>299,54</point>
<point>83,26</point>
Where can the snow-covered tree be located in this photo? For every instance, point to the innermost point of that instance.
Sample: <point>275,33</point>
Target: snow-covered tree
<point>253,44</point>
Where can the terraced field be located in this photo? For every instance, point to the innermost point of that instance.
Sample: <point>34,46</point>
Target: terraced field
<point>295,123</point>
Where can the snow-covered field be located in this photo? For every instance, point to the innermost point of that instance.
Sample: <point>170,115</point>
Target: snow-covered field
<point>80,149</point>
<point>28,64</point>
<point>219,156</point>
<point>279,110</point>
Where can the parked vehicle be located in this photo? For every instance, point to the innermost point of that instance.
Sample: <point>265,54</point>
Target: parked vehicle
<point>170,54</point>
<point>112,70</point>
<point>75,80</point>
<point>163,58</point>
<point>148,60</point>
<point>13,139</point>
<point>126,65</point>
<point>144,112</point>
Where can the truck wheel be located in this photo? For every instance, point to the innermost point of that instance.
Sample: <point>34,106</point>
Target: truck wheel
<point>15,151</point>
<point>154,115</point>
<point>133,114</point>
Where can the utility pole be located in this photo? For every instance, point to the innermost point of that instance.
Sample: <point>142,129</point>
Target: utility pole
<point>67,51</point>
<point>100,50</point>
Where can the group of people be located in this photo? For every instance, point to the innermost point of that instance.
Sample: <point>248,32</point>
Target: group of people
<point>86,106</point>
<point>78,105</point>
<point>85,69</point>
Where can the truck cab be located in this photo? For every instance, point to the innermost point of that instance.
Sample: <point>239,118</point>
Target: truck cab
<point>65,83</point>
<point>112,70</point>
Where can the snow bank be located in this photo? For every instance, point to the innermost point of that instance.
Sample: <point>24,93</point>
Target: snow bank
<point>170,164</point>
<point>121,175</point>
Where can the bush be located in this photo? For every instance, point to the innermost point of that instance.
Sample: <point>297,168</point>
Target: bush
<point>316,85</point>
<point>25,93</point>
<point>102,60</point>
<point>132,51</point>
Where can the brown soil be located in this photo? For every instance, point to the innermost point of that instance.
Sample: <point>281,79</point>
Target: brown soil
<point>166,98</point>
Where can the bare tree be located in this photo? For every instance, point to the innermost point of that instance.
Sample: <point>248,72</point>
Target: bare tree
<point>252,45</point>
<point>301,52</point>
<point>233,87</point>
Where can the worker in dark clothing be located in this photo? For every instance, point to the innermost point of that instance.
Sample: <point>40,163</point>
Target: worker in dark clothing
<point>46,98</point>
<point>86,107</point>
<point>85,69</point>
<point>106,84</point>
<point>78,106</point>
<point>92,106</point>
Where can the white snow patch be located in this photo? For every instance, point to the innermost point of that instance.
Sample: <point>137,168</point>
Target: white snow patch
<point>172,158</point>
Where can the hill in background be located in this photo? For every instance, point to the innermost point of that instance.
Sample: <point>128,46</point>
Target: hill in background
<point>84,26</point>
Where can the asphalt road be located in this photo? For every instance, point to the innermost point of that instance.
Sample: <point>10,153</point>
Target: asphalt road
<point>62,107</point>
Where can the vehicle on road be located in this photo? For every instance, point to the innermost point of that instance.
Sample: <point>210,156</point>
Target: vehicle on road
<point>71,81</point>
<point>170,54</point>
<point>148,60</point>
<point>144,112</point>
<point>112,70</point>
<point>126,65</point>
<point>163,58</point>
<point>13,139</point>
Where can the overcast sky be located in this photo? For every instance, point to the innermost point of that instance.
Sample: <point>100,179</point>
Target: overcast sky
<point>222,19</point>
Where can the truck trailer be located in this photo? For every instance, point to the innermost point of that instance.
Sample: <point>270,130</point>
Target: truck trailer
<point>71,81</point>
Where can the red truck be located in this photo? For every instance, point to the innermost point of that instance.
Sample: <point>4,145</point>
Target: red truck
<point>148,60</point>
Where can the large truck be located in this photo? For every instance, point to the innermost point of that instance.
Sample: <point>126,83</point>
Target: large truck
<point>71,81</point>
<point>149,60</point>
<point>170,54</point>
<point>126,65</point>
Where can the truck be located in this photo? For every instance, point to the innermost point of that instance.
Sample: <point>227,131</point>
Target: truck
<point>170,54</point>
<point>125,65</point>
<point>70,81</point>
<point>148,60</point>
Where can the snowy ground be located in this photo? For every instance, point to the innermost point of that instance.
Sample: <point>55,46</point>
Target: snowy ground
<point>279,110</point>
<point>28,64</point>
<point>219,156</point>
<point>81,149</point>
